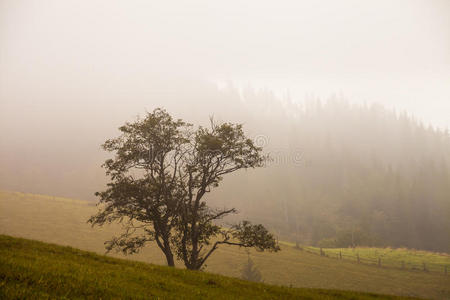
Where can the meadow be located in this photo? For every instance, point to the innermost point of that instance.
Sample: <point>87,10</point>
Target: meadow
<point>63,221</point>
<point>408,259</point>
<point>37,270</point>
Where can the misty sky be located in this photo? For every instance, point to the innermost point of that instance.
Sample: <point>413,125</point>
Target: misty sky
<point>53,53</point>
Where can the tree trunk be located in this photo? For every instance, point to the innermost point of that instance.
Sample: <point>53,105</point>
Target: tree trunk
<point>169,258</point>
<point>193,267</point>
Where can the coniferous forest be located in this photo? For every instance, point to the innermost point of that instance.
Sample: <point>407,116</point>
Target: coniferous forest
<point>350,175</point>
<point>339,175</point>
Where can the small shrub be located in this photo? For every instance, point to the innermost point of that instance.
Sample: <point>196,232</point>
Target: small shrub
<point>250,272</point>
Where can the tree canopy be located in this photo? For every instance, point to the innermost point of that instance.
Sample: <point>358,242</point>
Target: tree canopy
<point>159,176</point>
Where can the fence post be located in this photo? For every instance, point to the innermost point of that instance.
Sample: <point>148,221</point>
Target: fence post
<point>340,257</point>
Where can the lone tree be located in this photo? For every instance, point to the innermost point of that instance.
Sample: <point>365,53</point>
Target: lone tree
<point>159,176</point>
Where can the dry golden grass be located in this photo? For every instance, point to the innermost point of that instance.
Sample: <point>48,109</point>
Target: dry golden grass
<point>63,221</point>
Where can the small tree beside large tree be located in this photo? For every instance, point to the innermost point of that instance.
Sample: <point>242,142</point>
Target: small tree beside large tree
<point>159,176</point>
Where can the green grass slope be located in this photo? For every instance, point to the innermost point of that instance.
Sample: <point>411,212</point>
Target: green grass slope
<point>31,269</point>
<point>63,221</point>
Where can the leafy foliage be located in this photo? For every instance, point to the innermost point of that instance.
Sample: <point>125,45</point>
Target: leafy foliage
<point>255,236</point>
<point>161,172</point>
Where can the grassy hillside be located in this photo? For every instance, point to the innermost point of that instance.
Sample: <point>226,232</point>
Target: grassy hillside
<point>31,269</point>
<point>63,221</point>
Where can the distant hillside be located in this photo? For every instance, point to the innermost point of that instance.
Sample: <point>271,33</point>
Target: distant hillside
<point>341,171</point>
<point>63,221</point>
<point>31,269</point>
<point>338,170</point>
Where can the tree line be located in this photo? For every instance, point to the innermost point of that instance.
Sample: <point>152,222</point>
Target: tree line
<point>368,176</point>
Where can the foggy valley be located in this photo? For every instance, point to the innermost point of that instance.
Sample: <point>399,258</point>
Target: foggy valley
<point>315,151</point>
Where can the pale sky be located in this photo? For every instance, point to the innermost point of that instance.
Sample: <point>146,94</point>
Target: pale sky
<point>396,52</point>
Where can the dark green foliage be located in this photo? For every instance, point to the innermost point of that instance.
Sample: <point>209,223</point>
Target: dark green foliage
<point>327,243</point>
<point>255,236</point>
<point>36,270</point>
<point>354,237</point>
<point>160,174</point>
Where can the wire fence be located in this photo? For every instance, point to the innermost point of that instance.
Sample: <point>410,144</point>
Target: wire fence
<point>381,260</point>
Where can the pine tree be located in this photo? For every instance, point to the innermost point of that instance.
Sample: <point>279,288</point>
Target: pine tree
<point>250,272</point>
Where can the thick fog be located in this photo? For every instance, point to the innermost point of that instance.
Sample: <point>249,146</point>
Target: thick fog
<point>72,72</point>
<point>58,56</point>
